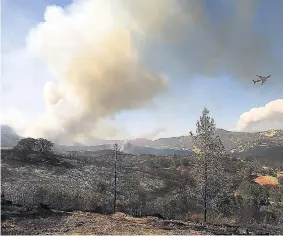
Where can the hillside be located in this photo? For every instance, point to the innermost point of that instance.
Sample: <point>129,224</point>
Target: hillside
<point>232,141</point>
<point>128,148</point>
<point>75,185</point>
<point>9,137</point>
<point>267,144</point>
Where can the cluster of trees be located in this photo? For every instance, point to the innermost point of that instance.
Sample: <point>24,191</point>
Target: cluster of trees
<point>209,185</point>
<point>29,146</point>
<point>206,187</point>
<point>219,179</point>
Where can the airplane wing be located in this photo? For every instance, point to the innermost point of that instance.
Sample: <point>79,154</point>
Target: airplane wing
<point>268,76</point>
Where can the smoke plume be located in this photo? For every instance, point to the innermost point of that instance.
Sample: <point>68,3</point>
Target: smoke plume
<point>98,70</point>
<point>205,44</point>
<point>96,51</point>
<point>263,118</point>
<point>152,134</point>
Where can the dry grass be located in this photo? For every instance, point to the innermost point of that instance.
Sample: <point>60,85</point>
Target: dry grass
<point>85,223</point>
<point>116,224</point>
<point>88,223</point>
<point>195,217</point>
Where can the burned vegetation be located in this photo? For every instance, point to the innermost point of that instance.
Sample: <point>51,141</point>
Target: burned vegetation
<point>239,195</point>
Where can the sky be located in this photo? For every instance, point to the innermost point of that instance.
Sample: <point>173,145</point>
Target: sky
<point>114,69</point>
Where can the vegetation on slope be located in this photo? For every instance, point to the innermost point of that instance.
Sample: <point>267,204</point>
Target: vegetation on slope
<point>172,186</point>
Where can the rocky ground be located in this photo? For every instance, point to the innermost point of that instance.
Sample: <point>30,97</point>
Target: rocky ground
<point>20,220</point>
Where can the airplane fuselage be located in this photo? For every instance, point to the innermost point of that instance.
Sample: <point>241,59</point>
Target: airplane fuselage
<point>261,78</point>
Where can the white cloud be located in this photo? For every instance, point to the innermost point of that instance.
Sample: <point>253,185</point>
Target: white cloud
<point>263,118</point>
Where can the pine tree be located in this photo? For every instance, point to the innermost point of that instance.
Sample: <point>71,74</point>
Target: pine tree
<point>210,161</point>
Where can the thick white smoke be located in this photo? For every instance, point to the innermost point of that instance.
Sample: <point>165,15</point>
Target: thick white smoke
<point>152,134</point>
<point>263,118</point>
<point>91,52</point>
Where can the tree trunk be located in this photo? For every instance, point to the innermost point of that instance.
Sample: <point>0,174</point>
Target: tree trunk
<point>115,179</point>
<point>205,191</point>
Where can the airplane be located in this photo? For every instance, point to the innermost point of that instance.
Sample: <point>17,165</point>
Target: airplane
<point>261,78</point>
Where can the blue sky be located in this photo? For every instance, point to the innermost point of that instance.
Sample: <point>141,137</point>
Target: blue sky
<point>202,71</point>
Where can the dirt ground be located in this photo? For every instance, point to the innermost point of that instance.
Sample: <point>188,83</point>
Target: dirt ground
<point>30,222</point>
<point>85,223</point>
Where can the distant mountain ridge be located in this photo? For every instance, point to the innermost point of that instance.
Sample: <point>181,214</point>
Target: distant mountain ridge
<point>235,142</point>
<point>128,148</point>
<point>9,136</point>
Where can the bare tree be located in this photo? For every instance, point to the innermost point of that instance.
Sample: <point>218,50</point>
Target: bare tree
<point>116,148</point>
<point>210,155</point>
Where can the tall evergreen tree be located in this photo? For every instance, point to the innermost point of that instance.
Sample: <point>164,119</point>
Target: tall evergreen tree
<point>210,161</point>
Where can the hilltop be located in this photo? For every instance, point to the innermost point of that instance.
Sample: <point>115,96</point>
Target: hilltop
<point>266,145</point>
<point>9,137</point>
<point>233,141</point>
